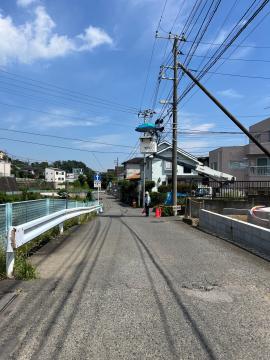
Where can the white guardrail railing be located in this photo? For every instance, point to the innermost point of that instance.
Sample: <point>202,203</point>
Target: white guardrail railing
<point>22,234</point>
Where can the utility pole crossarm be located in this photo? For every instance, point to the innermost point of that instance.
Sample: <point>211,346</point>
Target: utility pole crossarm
<point>227,112</point>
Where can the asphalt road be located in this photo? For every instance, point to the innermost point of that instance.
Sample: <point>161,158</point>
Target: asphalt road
<point>128,287</point>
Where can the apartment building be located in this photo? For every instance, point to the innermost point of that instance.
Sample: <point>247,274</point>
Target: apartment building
<point>245,162</point>
<point>55,175</point>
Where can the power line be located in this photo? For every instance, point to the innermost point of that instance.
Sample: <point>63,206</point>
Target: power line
<point>219,52</point>
<point>234,45</point>
<point>240,75</point>
<point>233,59</point>
<point>235,48</point>
<point>66,138</point>
<point>68,97</point>
<point>152,54</point>
<point>63,147</point>
<point>63,90</point>
<point>52,114</point>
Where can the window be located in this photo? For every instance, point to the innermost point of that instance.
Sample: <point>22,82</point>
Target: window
<point>187,170</point>
<point>56,172</point>
<point>257,137</point>
<point>238,164</point>
<point>62,172</point>
<point>262,162</point>
<point>167,165</point>
<point>214,165</point>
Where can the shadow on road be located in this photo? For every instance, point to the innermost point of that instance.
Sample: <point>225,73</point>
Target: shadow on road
<point>196,331</point>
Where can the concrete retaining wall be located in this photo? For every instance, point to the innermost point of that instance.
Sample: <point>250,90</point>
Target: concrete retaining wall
<point>231,211</point>
<point>249,236</point>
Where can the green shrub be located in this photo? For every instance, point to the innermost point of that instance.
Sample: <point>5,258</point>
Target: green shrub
<point>157,198</point>
<point>23,269</point>
<point>181,187</point>
<point>165,188</point>
<point>89,196</point>
<point>167,211</point>
<point>128,191</point>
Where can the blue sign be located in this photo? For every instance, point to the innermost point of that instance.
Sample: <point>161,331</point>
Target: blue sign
<point>169,199</point>
<point>97,177</point>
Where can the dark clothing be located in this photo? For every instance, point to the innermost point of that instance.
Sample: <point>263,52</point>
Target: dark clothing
<point>147,207</point>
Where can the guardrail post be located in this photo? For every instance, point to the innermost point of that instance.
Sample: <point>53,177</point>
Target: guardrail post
<point>10,255</point>
<point>48,206</point>
<point>8,217</point>
<point>61,228</point>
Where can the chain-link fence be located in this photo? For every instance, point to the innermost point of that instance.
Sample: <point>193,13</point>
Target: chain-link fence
<point>18,213</point>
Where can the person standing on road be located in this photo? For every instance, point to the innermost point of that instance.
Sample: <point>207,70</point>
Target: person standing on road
<point>147,203</point>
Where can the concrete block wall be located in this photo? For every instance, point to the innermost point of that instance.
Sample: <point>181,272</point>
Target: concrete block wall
<point>231,211</point>
<point>249,236</point>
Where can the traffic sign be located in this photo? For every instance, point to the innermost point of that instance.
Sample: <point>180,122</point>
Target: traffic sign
<point>97,177</point>
<point>97,184</point>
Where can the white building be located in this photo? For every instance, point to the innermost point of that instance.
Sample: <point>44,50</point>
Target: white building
<point>160,170</point>
<point>5,168</point>
<point>55,175</point>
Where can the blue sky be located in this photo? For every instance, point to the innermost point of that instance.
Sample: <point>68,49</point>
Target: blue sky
<point>101,49</point>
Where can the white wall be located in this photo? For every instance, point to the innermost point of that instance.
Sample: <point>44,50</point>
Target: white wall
<point>158,170</point>
<point>52,175</point>
<point>252,237</point>
<point>5,168</point>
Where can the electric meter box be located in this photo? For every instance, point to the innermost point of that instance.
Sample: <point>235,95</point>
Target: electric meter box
<point>148,145</point>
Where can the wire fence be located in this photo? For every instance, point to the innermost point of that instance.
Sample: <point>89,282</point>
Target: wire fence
<point>17,213</point>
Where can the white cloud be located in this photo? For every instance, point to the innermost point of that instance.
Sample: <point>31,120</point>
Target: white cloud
<point>37,39</point>
<point>193,121</point>
<point>231,94</point>
<point>94,37</point>
<point>25,3</point>
<point>65,118</point>
<point>193,146</point>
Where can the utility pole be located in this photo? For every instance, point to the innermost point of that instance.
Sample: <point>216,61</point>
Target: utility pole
<point>174,103</point>
<point>174,126</point>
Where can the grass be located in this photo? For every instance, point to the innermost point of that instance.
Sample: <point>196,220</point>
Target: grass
<point>2,263</point>
<point>23,269</point>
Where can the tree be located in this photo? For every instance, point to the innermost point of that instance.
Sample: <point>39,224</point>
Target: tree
<point>81,180</point>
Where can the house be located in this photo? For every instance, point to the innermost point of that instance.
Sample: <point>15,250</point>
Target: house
<point>159,170</point>
<point>55,175</point>
<point>77,172</point>
<point>5,168</point>
<point>3,155</point>
<point>74,175</point>
<point>245,162</point>
<point>133,168</point>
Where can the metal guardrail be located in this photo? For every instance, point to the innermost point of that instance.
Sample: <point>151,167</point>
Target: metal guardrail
<point>22,234</point>
<point>24,211</point>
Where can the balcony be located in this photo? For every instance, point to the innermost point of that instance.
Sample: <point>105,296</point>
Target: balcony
<point>259,170</point>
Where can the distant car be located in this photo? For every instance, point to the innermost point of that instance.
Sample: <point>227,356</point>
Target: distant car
<point>203,192</point>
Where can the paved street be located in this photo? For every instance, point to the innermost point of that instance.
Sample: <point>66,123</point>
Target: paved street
<point>127,287</point>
